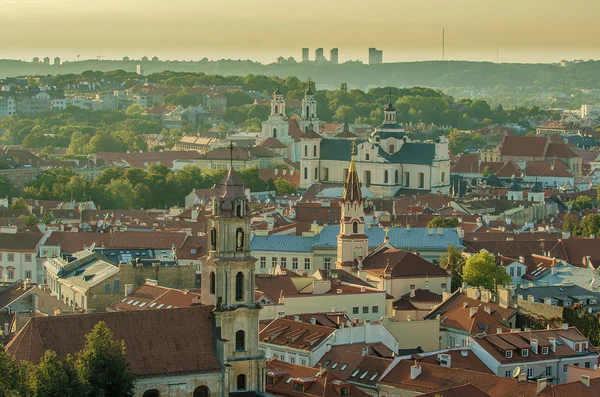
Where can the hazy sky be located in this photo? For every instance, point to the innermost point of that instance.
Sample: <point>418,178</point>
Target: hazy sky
<point>522,30</point>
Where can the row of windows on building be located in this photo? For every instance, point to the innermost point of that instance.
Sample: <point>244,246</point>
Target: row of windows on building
<point>295,263</point>
<point>547,371</point>
<point>290,359</point>
<point>25,176</point>
<point>200,391</point>
<point>365,309</point>
<point>10,273</point>
<point>386,177</point>
<point>10,257</point>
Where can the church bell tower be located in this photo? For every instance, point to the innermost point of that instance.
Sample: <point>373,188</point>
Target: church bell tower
<point>353,243</point>
<point>228,284</point>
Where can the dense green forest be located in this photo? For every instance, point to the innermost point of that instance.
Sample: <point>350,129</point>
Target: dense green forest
<point>135,188</point>
<point>86,131</point>
<point>517,84</point>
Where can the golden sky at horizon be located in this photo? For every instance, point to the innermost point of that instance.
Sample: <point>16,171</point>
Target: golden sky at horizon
<point>522,30</point>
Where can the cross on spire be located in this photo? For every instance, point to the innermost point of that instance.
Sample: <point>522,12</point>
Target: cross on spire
<point>353,148</point>
<point>231,154</point>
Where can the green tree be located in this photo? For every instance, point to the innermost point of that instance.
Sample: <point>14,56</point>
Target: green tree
<point>134,110</point>
<point>120,193</point>
<point>283,186</point>
<point>570,223</point>
<point>487,172</point>
<point>581,203</point>
<point>481,270</point>
<point>443,221</point>
<point>590,225</point>
<point>12,376</point>
<point>20,204</point>
<point>454,261</point>
<point>54,378</point>
<point>102,365</point>
<point>47,218</point>
<point>30,220</point>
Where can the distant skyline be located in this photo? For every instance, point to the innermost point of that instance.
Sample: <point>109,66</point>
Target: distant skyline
<point>262,30</point>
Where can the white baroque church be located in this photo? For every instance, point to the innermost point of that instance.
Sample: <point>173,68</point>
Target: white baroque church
<point>287,130</point>
<point>388,161</point>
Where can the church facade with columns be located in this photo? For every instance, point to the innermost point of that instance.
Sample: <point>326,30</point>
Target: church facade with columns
<point>388,162</point>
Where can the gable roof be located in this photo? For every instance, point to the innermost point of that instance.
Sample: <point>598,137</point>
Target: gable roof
<point>314,383</point>
<point>294,334</point>
<point>19,242</point>
<point>187,345</point>
<point>400,263</point>
<point>151,297</point>
<point>435,377</point>
<point>523,146</point>
<point>353,366</point>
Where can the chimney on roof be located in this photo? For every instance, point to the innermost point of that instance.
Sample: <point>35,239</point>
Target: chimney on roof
<point>534,345</point>
<point>312,320</point>
<point>445,360</point>
<point>565,326</point>
<point>128,289</point>
<point>415,371</point>
<point>412,291</point>
<point>522,259</point>
<point>365,351</point>
<point>487,309</point>
<point>585,379</point>
<point>541,385</point>
<point>552,341</point>
<point>297,319</point>
<point>472,311</point>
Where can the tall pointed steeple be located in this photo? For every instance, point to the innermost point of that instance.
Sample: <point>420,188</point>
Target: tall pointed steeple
<point>352,191</point>
<point>353,243</point>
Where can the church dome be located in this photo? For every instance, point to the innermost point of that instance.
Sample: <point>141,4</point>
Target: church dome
<point>278,91</point>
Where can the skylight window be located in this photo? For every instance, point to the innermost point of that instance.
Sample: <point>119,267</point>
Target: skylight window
<point>142,304</point>
<point>170,306</point>
<point>343,367</point>
<point>326,364</point>
<point>334,366</point>
<point>152,304</point>
<point>159,306</point>
<point>130,302</point>
<point>354,373</point>
<point>289,379</point>
<point>374,376</point>
<point>364,374</point>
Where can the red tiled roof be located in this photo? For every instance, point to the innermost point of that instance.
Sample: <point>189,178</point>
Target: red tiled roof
<point>12,292</point>
<point>435,377</point>
<point>294,129</point>
<point>19,242</point>
<point>508,169</point>
<point>324,384</point>
<point>152,297</point>
<point>74,242</point>
<point>272,143</point>
<point>344,363</point>
<point>573,250</point>
<point>561,151</point>
<point>523,146</point>
<point>461,359</point>
<point>400,264</point>
<point>557,168</point>
<point>459,391</point>
<point>142,160</point>
<point>187,345</point>
<point>294,334</point>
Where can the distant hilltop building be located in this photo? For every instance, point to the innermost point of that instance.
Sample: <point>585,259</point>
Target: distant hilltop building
<point>375,56</point>
<point>333,55</point>
<point>56,61</point>
<point>319,57</point>
<point>46,61</point>
<point>36,60</point>
<point>305,57</point>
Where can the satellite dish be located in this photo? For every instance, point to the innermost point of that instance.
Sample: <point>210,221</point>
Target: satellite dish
<point>570,207</point>
<point>516,372</point>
